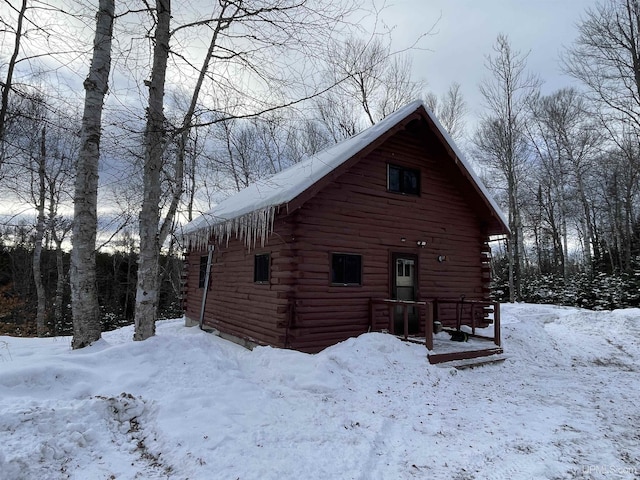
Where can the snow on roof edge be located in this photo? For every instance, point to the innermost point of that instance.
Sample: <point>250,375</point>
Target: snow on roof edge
<point>250,213</point>
<point>271,193</point>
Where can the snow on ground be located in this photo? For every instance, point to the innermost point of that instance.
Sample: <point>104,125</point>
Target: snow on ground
<point>188,405</point>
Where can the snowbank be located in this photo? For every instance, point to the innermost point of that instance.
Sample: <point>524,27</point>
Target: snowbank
<point>186,404</point>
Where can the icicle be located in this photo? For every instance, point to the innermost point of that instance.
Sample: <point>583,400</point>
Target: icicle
<point>248,228</point>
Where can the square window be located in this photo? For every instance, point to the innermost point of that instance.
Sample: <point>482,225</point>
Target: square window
<point>261,268</point>
<point>346,269</point>
<point>403,180</point>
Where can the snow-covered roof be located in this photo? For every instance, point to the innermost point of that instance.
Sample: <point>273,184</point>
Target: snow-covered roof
<point>249,214</point>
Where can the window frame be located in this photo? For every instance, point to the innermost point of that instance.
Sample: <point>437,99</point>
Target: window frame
<point>266,279</point>
<point>402,189</point>
<point>202,275</point>
<point>345,275</point>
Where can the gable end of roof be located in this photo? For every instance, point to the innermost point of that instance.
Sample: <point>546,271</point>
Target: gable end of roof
<point>249,214</point>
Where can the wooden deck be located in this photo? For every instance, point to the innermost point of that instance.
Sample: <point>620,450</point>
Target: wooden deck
<point>481,342</point>
<point>446,350</point>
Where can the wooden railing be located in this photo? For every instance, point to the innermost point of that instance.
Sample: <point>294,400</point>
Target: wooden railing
<point>392,304</point>
<point>477,309</point>
<point>432,309</point>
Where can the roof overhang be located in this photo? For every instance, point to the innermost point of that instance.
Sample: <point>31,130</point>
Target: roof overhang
<point>249,214</point>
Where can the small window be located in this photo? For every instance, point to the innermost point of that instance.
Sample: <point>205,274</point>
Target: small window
<point>261,268</point>
<point>346,269</point>
<point>403,180</point>
<point>203,270</point>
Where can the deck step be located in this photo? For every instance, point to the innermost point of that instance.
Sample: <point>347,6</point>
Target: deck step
<point>466,355</point>
<point>473,362</point>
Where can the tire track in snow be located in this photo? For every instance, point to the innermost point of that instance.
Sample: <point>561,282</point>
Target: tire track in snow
<point>96,437</point>
<point>377,452</point>
<point>134,417</point>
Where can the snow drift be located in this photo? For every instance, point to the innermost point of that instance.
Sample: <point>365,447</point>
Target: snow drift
<point>189,405</point>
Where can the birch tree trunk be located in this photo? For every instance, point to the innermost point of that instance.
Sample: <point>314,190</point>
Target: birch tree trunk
<point>61,276</point>
<point>60,282</point>
<point>148,286</point>
<point>84,294</point>
<point>153,236</point>
<point>37,249</point>
<point>272,24</point>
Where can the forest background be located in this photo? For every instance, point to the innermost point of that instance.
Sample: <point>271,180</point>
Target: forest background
<point>255,86</point>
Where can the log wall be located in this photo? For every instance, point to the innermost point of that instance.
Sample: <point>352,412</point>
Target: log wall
<point>299,308</point>
<point>356,214</point>
<point>235,305</point>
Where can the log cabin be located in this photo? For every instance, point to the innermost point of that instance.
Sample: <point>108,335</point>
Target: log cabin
<point>392,217</point>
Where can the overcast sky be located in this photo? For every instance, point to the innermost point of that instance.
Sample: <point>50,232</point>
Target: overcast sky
<point>467,29</point>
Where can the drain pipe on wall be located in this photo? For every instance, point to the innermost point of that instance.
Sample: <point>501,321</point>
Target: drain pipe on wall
<point>206,285</point>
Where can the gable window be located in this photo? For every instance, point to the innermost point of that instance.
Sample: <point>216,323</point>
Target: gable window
<point>403,180</point>
<point>346,269</point>
<point>261,268</point>
<point>203,270</point>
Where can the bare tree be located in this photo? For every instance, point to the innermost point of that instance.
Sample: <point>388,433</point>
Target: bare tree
<point>43,39</point>
<point>5,87</point>
<point>450,109</point>
<point>52,173</point>
<point>618,187</point>
<point>84,295</point>
<point>195,153</point>
<point>59,180</point>
<point>154,144</point>
<point>40,173</point>
<point>363,64</point>
<point>250,149</point>
<point>606,58</point>
<point>241,33</point>
<point>60,228</point>
<point>240,160</point>
<point>338,116</point>
<point>567,140</point>
<point>371,80</point>
<point>40,199</point>
<point>501,140</point>
<point>28,184</point>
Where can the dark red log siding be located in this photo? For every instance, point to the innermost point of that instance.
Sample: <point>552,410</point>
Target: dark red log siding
<point>235,304</point>
<point>356,214</point>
